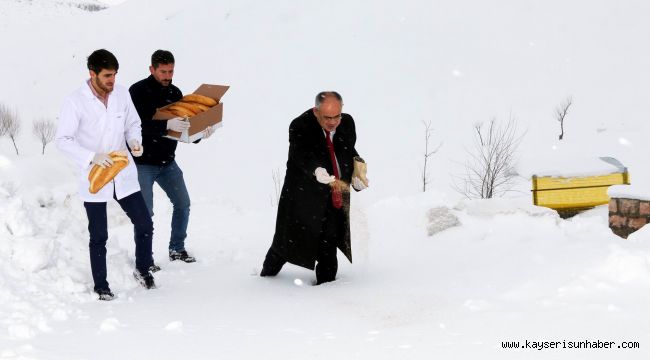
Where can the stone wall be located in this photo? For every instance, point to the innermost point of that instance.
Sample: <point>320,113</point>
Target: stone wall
<point>628,215</point>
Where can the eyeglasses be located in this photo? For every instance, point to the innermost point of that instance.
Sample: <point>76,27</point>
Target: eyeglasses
<point>332,118</point>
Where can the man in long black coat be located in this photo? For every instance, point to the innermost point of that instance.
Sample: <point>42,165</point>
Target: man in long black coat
<point>313,214</point>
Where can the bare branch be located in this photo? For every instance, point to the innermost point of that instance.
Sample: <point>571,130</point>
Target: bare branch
<point>44,130</point>
<point>490,171</point>
<point>278,182</point>
<point>427,137</point>
<point>9,124</point>
<point>561,112</point>
<point>5,113</point>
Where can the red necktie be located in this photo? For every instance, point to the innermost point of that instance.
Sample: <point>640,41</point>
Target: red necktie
<point>337,197</point>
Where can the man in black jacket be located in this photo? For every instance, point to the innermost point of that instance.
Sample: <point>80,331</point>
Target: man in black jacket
<point>314,211</point>
<point>157,163</point>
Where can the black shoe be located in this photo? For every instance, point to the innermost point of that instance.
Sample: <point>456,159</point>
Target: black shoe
<point>318,282</point>
<point>105,294</point>
<point>154,268</point>
<point>273,263</point>
<point>266,271</point>
<point>181,255</point>
<point>146,280</point>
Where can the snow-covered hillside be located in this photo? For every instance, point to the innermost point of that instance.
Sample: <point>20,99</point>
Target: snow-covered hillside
<point>491,271</point>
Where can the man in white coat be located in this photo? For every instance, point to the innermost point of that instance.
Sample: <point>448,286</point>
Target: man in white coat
<point>95,120</point>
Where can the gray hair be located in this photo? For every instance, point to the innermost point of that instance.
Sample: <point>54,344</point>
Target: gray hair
<point>323,95</point>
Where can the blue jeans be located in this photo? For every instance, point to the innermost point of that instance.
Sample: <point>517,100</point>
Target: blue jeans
<point>135,209</point>
<point>170,178</point>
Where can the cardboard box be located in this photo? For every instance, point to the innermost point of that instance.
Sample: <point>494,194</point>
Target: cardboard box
<point>198,123</point>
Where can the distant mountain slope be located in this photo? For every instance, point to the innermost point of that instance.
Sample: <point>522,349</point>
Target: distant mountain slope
<point>454,63</point>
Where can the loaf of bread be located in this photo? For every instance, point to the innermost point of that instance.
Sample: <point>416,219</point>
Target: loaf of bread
<point>201,106</point>
<point>100,176</point>
<point>199,99</point>
<point>190,105</point>
<point>180,110</point>
<point>193,107</point>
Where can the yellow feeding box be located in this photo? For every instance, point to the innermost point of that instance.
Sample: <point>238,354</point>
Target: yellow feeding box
<point>577,192</point>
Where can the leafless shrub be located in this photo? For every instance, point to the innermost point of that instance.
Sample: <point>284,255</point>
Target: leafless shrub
<point>560,113</point>
<point>278,181</point>
<point>427,138</point>
<point>9,124</point>
<point>44,130</point>
<point>4,113</point>
<point>490,171</point>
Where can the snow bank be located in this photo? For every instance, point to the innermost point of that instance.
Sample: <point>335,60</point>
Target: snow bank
<point>45,270</point>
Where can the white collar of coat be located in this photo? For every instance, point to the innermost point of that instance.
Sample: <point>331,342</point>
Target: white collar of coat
<point>88,92</point>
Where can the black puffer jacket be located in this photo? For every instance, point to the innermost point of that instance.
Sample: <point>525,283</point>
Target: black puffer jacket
<point>149,95</point>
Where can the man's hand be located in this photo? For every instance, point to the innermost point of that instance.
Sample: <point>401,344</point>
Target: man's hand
<point>136,148</point>
<point>102,160</point>
<point>357,184</point>
<point>178,124</point>
<point>340,185</point>
<point>208,131</point>
<point>323,177</point>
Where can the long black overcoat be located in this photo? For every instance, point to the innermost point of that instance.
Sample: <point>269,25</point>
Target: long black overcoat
<point>302,205</point>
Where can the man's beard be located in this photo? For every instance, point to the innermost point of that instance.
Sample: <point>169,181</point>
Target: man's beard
<point>102,86</point>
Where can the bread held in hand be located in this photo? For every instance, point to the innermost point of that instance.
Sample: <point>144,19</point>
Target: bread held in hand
<point>190,105</point>
<point>99,177</point>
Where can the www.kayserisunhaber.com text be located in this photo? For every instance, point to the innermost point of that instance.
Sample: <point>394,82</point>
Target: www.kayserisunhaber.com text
<point>566,344</point>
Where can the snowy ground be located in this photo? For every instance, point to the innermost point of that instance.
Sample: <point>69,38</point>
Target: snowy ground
<point>507,272</point>
<point>453,282</point>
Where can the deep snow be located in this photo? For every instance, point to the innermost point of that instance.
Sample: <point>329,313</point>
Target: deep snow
<point>491,271</point>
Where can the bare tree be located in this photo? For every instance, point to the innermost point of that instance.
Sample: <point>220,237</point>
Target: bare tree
<point>44,130</point>
<point>9,124</point>
<point>4,114</point>
<point>490,170</point>
<point>427,137</point>
<point>560,113</point>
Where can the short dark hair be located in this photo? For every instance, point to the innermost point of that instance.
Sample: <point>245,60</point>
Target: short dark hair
<point>327,94</point>
<point>102,59</point>
<point>161,57</point>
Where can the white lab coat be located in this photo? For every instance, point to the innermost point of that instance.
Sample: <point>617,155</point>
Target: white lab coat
<point>87,127</point>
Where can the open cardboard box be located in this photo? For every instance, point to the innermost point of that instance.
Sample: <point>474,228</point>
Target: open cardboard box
<point>198,122</point>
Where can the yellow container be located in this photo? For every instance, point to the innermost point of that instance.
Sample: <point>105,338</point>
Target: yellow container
<point>575,192</point>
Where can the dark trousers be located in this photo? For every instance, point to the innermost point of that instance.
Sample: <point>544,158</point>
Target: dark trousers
<point>170,178</point>
<point>135,208</point>
<point>326,261</point>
